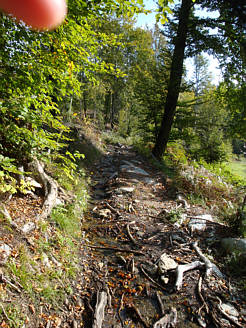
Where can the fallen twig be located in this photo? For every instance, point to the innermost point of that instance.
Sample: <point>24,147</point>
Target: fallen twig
<point>199,289</point>
<point>158,296</point>
<point>7,216</point>
<point>150,279</point>
<point>169,320</point>
<point>5,314</point>
<point>100,308</point>
<point>120,308</point>
<point>112,209</point>
<point>183,268</point>
<point>6,281</point>
<point>137,315</point>
<point>129,233</point>
<point>116,249</point>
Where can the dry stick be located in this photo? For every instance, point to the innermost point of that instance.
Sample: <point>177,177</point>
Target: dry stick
<point>183,268</point>
<point>129,233</point>
<point>199,289</point>
<point>7,216</point>
<point>100,308</point>
<point>120,308</point>
<point>237,324</point>
<point>138,315</point>
<point>109,298</point>
<point>150,279</point>
<point>169,320</point>
<point>117,249</point>
<point>5,314</point>
<point>210,267</point>
<point>112,209</point>
<point>6,281</point>
<point>158,296</point>
<point>216,321</point>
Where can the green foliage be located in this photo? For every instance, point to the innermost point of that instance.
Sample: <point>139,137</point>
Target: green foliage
<point>68,218</point>
<point>175,153</point>
<point>175,215</point>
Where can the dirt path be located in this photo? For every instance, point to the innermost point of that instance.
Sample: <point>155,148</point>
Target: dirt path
<point>134,219</point>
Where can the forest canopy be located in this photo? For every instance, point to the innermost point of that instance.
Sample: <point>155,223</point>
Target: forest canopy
<point>99,67</point>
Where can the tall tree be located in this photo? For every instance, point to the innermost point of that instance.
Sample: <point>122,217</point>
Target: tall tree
<point>175,79</point>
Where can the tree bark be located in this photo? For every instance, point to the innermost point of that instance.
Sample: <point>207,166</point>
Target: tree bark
<point>174,80</point>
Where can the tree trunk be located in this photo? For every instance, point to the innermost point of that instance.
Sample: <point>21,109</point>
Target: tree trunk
<point>112,110</point>
<point>174,80</point>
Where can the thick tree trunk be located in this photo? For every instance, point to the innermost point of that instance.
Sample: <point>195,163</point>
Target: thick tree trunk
<point>175,80</point>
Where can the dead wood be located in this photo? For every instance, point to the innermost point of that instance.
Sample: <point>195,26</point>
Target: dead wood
<point>169,320</point>
<point>5,313</point>
<point>50,188</point>
<point>227,316</point>
<point>158,296</point>
<point>150,279</point>
<point>112,209</point>
<point>181,269</point>
<point>74,324</point>
<point>116,249</point>
<point>129,233</point>
<point>7,216</point>
<point>199,290</point>
<point>210,267</point>
<point>109,297</point>
<point>100,308</point>
<point>6,281</point>
<point>134,311</point>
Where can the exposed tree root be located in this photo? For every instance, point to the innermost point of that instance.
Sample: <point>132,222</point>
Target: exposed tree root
<point>116,249</point>
<point>50,188</point>
<point>227,316</point>
<point>199,289</point>
<point>7,216</point>
<point>181,269</point>
<point>210,267</point>
<point>99,310</point>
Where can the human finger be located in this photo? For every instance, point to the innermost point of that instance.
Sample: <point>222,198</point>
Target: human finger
<point>38,14</point>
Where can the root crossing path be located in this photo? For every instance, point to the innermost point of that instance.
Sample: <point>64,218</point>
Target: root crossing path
<point>144,263</point>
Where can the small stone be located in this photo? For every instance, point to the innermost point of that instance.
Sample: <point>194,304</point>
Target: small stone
<point>229,309</point>
<point>231,245</point>
<point>100,264</point>
<point>28,227</point>
<point>126,189</point>
<point>59,202</point>
<point>148,180</point>
<point>45,260</point>
<point>166,263</point>
<point>33,183</point>
<point>5,252</point>
<point>105,212</point>
<point>164,279</point>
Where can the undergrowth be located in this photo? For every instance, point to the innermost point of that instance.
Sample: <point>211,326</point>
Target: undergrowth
<point>43,265</point>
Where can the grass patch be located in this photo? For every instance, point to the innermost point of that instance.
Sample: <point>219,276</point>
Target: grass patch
<point>238,167</point>
<point>45,268</point>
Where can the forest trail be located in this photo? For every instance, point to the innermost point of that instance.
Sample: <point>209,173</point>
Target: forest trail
<point>140,236</point>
